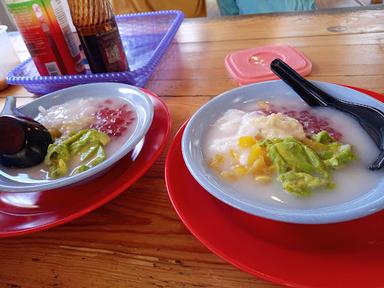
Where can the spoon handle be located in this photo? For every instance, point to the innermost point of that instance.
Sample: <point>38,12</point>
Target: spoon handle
<point>9,106</point>
<point>312,95</point>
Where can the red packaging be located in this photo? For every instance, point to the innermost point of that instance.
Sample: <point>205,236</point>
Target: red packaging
<point>47,35</point>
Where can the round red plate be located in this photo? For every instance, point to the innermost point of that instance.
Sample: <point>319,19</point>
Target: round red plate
<point>348,254</point>
<point>22,213</point>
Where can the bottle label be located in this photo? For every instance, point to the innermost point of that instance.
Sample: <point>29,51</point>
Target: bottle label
<point>104,52</point>
<point>112,51</point>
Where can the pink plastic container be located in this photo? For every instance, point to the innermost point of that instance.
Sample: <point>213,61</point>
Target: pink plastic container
<point>253,65</point>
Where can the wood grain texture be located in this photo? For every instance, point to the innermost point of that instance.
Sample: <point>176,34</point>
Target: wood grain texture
<point>137,240</point>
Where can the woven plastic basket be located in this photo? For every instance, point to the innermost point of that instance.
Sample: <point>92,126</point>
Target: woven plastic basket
<point>145,36</point>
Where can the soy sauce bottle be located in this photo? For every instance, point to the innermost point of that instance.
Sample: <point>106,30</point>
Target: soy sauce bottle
<point>99,35</point>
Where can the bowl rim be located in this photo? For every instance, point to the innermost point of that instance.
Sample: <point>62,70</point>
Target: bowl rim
<point>329,214</point>
<point>146,116</point>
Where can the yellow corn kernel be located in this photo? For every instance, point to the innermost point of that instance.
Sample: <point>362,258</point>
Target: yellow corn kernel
<point>258,166</point>
<point>254,154</point>
<point>234,155</point>
<point>217,161</point>
<point>246,141</point>
<point>240,170</point>
<point>228,175</point>
<point>263,179</point>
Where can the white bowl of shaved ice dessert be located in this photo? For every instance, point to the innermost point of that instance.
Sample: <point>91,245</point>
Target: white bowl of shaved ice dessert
<point>261,149</point>
<point>93,126</point>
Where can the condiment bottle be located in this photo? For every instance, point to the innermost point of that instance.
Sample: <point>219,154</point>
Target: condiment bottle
<point>99,35</point>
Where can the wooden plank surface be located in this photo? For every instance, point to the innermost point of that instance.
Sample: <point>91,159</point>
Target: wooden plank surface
<point>137,240</point>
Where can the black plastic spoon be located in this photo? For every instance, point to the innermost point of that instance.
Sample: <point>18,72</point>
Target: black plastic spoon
<point>23,141</point>
<point>370,118</point>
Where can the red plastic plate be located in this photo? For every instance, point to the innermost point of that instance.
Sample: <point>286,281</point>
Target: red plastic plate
<point>23,213</point>
<point>348,254</point>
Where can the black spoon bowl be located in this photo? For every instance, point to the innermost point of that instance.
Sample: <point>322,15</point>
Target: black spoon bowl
<point>370,118</point>
<point>23,141</point>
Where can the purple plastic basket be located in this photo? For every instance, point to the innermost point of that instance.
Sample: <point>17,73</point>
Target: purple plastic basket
<point>145,36</point>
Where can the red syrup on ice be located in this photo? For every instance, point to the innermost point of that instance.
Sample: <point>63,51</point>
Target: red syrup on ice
<point>113,119</point>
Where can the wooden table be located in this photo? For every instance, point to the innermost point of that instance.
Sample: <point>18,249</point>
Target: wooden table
<point>137,240</point>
